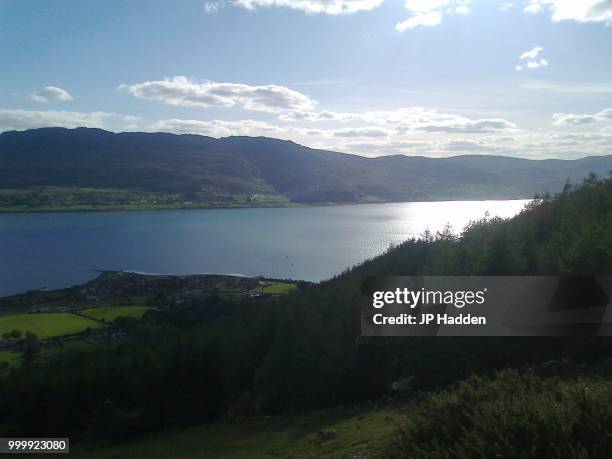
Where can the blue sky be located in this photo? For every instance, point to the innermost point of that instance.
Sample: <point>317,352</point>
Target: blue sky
<point>529,78</point>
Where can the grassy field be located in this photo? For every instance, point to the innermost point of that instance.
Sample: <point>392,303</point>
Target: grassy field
<point>47,325</point>
<point>279,288</point>
<point>110,313</point>
<point>329,434</point>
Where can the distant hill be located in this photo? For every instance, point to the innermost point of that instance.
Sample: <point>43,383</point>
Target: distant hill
<point>200,169</point>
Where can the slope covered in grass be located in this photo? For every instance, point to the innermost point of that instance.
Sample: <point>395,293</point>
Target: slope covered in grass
<point>110,313</point>
<point>47,325</point>
<point>325,434</point>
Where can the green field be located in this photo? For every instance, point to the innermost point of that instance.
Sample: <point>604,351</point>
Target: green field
<point>110,313</point>
<point>344,433</point>
<point>47,325</point>
<point>279,288</point>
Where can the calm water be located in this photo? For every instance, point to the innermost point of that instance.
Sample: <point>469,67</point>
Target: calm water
<point>310,243</point>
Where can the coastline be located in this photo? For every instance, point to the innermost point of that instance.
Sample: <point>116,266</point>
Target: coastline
<point>22,301</point>
<point>291,205</point>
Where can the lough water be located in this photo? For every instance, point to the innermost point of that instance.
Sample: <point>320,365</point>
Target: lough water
<point>56,250</point>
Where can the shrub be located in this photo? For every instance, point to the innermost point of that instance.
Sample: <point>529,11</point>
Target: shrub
<point>512,415</point>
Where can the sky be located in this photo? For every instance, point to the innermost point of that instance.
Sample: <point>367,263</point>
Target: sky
<point>524,78</point>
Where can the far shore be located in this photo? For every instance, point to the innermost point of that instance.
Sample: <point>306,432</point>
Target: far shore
<point>148,208</point>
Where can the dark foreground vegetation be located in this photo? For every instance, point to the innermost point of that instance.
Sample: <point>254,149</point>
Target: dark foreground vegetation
<point>303,351</point>
<point>509,415</point>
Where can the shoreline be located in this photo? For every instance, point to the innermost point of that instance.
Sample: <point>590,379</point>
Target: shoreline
<point>68,210</point>
<point>101,274</point>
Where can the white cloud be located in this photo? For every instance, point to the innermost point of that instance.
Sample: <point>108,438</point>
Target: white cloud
<point>51,94</point>
<point>333,7</point>
<point>566,144</point>
<point>212,7</point>
<point>324,115</point>
<point>472,126</point>
<point>427,20</point>
<point>425,6</point>
<point>222,128</point>
<point>429,13</point>
<point>362,132</point>
<point>16,119</point>
<point>537,64</point>
<point>573,10</point>
<point>605,114</point>
<point>533,6</point>
<point>463,10</point>
<point>181,91</point>
<point>408,119</point>
<point>376,140</point>
<point>216,128</point>
<point>525,145</point>
<point>571,119</point>
<point>532,53</point>
<point>532,59</point>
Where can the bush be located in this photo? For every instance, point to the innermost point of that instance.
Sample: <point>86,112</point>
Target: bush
<point>518,415</point>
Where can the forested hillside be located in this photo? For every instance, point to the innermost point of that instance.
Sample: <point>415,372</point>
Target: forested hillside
<point>304,351</point>
<point>88,169</point>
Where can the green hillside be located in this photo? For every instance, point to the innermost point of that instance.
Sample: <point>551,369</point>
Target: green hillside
<point>46,325</point>
<point>324,434</point>
<point>92,169</point>
<point>110,313</point>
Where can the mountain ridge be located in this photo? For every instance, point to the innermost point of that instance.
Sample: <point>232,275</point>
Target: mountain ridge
<point>202,168</point>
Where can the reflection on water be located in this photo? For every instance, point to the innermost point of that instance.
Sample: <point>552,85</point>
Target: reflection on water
<point>310,243</point>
